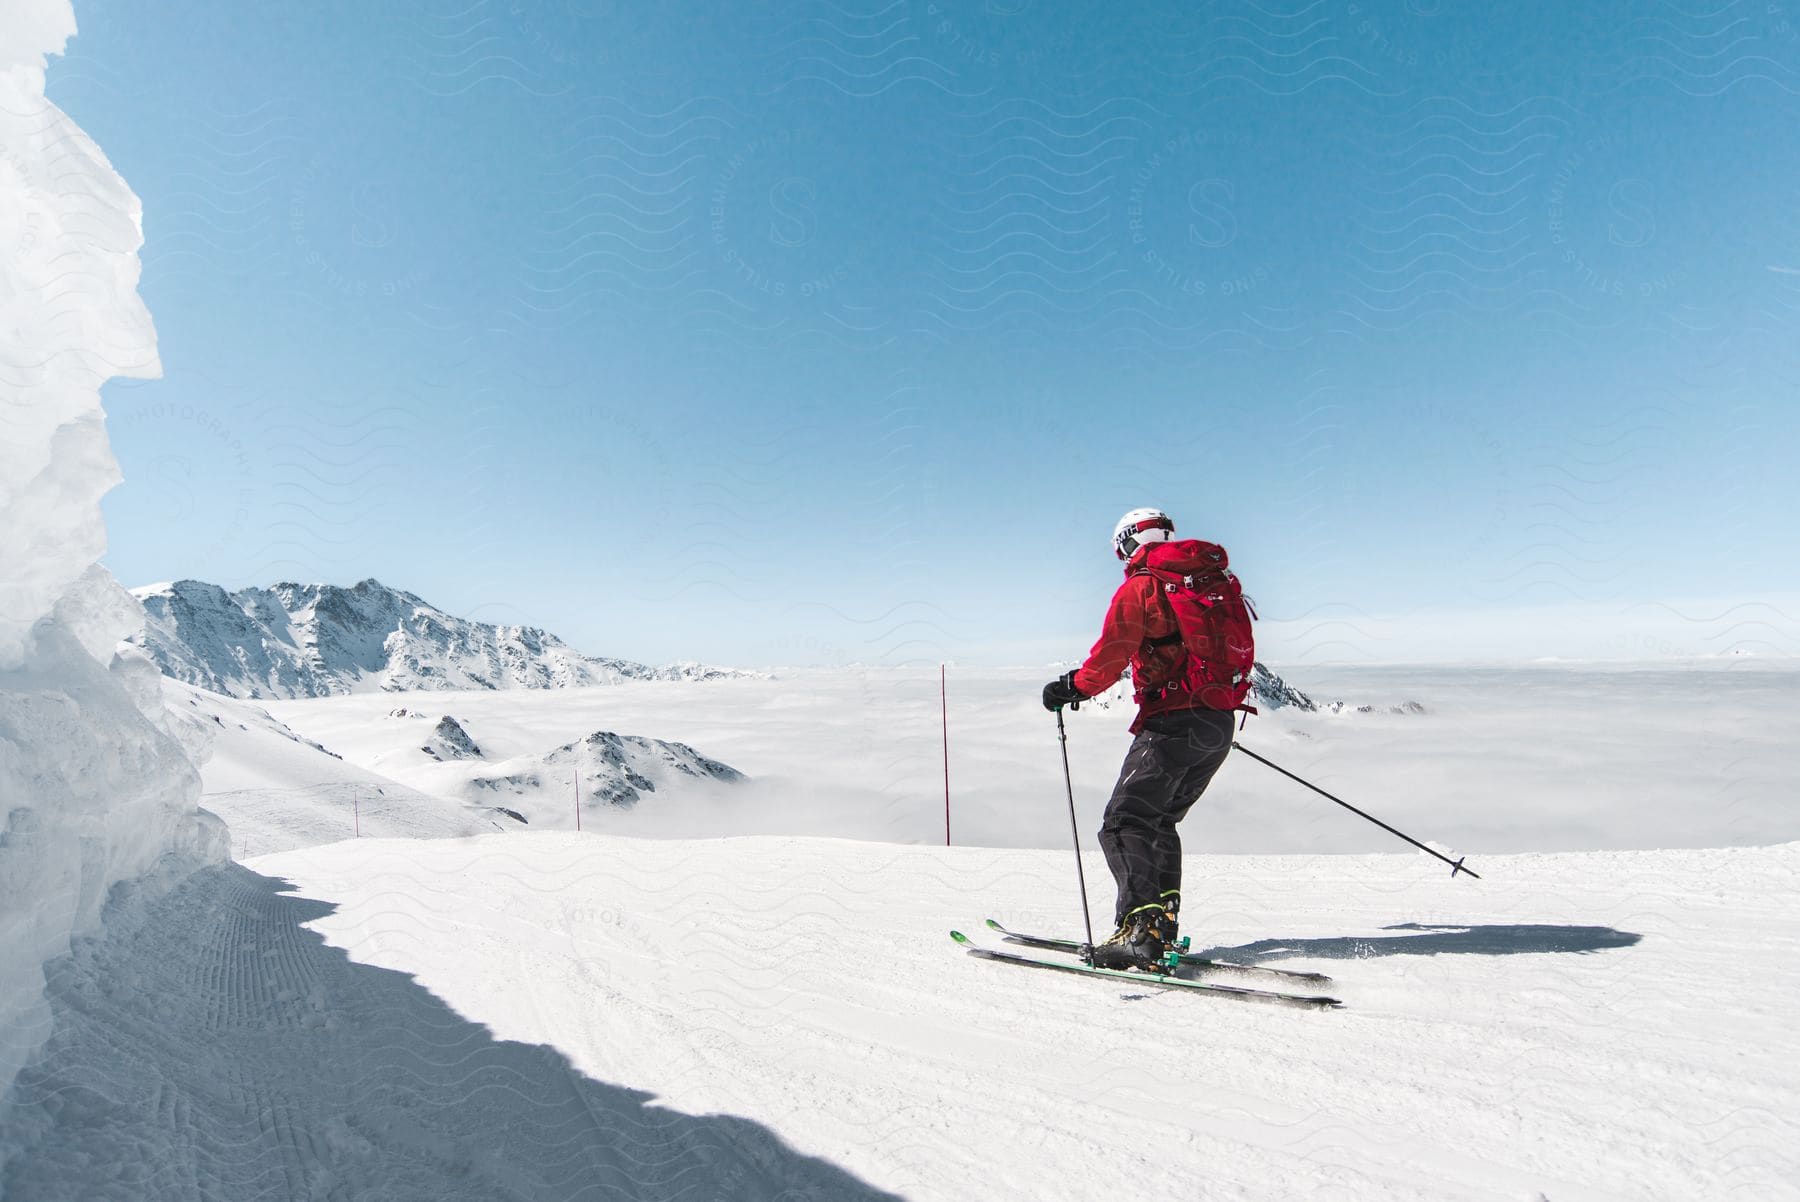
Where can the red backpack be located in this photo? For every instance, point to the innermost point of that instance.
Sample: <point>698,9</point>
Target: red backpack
<point>1212,618</point>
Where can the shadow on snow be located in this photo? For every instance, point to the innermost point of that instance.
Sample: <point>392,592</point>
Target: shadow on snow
<point>218,1050</point>
<point>1496,940</point>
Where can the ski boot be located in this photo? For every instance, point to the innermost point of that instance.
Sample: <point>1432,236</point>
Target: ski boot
<point>1167,926</point>
<point>1174,944</point>
<point>1137,943</point>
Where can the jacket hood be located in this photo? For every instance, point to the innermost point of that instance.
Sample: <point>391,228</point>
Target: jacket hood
<point>1184,555</point>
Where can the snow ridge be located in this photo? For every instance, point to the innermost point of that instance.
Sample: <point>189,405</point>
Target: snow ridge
<point>319,640</point>
<point>614,769</point>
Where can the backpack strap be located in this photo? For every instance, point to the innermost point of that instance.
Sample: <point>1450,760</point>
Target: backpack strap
<point>1161,583</point>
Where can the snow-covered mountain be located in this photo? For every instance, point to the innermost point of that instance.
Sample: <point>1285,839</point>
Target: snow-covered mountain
<point>614,769</point>
<point>277,789</point>
<point>1269,691</point>
<point>449,741</point>
<point>318,640</point>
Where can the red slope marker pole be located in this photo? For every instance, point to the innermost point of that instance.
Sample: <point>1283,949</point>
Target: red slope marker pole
<point>944,708</point>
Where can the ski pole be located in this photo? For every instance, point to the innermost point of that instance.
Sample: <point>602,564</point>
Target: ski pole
<point>1062,735</point>
<point>1456,865</point>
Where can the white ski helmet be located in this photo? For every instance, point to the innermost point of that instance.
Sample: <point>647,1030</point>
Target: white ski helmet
<point>1138,527</point>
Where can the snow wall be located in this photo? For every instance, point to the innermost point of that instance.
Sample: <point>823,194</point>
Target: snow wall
<point>97,795</point>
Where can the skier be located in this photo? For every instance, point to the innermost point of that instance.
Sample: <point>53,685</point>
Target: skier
<point>1181,623</point>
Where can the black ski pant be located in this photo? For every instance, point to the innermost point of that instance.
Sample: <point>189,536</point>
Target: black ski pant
<point>1169,765</point>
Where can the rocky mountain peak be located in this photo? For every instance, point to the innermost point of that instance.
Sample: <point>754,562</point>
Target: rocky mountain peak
<point>316,640</point>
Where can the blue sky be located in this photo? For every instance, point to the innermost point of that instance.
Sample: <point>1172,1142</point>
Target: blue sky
<point>818,333</point>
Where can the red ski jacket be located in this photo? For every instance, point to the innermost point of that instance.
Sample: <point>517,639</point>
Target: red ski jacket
<point>1140,631</point>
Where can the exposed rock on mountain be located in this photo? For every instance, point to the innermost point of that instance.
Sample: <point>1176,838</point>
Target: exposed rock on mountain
<point>1269,691</point>
<point>449,741</point>
<point>613,770</point>
<point>317,640</point>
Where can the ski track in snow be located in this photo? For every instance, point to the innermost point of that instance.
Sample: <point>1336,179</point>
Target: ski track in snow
<point>226,1053</point>
<point>553,1015</point>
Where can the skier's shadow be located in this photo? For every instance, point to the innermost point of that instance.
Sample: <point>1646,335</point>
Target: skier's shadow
<point>1505,939</point>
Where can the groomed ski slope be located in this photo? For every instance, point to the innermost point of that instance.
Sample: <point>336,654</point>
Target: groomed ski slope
<point>572,1016</point>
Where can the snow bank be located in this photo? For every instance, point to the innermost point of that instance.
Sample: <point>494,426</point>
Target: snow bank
<point>96,790</point>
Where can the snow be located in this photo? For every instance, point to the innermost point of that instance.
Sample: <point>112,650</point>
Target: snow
<point>423,776</point>
<point>545,1014</point>
<point>96,790</point>
<point>761,1000</point>
<point>278,790</point>
<point>557,1015</point>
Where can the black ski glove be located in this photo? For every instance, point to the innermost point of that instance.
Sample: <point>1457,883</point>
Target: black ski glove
<point>1062,691</point>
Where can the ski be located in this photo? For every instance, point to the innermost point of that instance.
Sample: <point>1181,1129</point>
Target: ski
<point>1200,962</point>
<point>1237,993</point>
